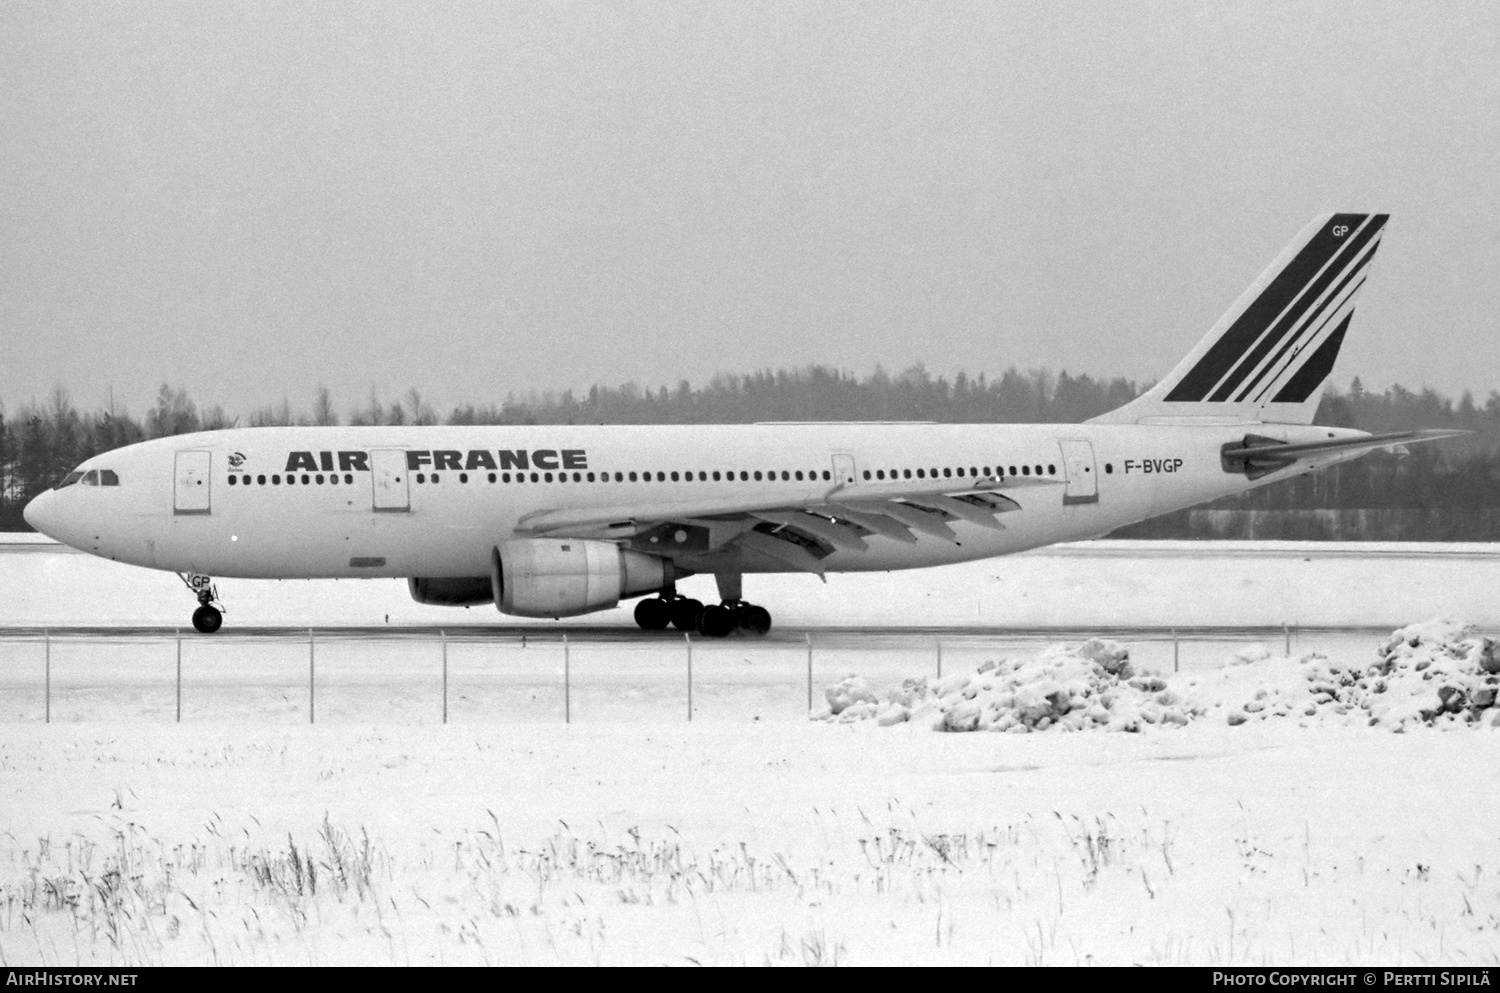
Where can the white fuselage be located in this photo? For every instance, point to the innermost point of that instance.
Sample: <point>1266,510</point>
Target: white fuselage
<point>339,519</point>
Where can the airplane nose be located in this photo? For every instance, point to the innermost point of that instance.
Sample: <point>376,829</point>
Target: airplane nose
<point>41,513</point>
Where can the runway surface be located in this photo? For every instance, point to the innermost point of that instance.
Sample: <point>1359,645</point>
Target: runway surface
<point>108,637</point>
<point>874,637</point>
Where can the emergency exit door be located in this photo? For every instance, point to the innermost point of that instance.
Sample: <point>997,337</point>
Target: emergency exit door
<point>1082,474</point>
<point>843,469</point>
<point>191,483</point>
<point>392,488</point>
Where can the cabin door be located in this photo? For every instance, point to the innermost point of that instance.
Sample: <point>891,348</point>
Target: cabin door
<point>191,483</point>
<point>1082,474</point>
<point>843,469</point>
<point>392,488</point>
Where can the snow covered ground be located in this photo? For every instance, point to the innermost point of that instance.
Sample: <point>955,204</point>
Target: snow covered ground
<point>1082,585</point>
<point>1276,826</point>
<point>715,844</point>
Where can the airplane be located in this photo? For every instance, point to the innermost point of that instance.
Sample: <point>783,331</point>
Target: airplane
<point>561,520</point>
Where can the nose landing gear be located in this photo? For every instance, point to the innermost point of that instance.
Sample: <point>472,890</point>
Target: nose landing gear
<point>207,618</point>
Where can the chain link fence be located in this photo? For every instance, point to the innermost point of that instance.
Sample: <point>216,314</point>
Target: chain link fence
<point>473,676</point>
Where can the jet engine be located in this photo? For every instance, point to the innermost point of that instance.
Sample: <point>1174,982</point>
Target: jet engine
<point>561,577</point>
<point>462,591</point>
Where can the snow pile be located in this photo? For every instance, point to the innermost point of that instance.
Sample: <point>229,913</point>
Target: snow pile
<point>1255,686</point>
<point>1093,685</point>
<point>1249,654</point>
<point>1434,673</point>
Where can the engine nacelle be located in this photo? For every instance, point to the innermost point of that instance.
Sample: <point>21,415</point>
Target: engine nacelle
<point>463,591</point>
<point>561,577</point>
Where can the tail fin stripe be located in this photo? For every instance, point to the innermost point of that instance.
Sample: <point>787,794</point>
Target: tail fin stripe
<point>1307,338</point>
<point>1299,335</point>
<point>1281,291</point>
<point>1280,338</point>
<point>1315,369</point>
<point>1350,251</point>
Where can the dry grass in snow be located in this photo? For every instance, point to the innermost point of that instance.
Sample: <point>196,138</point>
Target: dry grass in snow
<point>1272,824</point>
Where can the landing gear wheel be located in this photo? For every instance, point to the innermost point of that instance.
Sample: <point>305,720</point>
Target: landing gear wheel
<point>716,621</point>
<point>685,612</point>
<point>754,620</point>
<point>653,614</point>
<point>207,619</point>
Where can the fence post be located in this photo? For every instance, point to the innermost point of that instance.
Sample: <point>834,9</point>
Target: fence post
<point>809,672</point>
<point>444,636</point>
<point>311,712</point>
<point>567,681</point>
<point>687,637</point>
<point>179,675</point>
<point>1176,656</point>
<point>47,689</point>
<point>940,659</point>
<point>1286,633</point>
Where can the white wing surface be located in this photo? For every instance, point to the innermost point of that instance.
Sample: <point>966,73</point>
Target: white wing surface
<point>795,528</point>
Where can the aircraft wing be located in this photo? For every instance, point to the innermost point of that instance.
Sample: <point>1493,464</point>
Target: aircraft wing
<point>794,527</point>
<point>1256,456</point>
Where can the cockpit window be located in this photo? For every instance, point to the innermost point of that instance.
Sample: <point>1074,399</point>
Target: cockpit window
<point>93,477</point>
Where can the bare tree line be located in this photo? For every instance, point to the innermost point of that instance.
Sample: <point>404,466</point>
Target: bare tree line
<point>1447,491</point>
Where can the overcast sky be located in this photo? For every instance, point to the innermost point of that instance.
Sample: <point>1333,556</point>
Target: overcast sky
<point>248,199</point>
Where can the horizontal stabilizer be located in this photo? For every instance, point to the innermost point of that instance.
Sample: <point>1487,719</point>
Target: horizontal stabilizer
<point>1256,456</point>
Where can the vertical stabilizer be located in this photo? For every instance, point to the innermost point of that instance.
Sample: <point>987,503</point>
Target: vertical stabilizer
<point>1268,358</point>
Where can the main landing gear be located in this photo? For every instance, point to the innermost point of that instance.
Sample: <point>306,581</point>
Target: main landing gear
<point>734,612</point>
<point>717,620</point>
<point>682,613</point>
<point>207,618</point>
<point>722,619</point>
